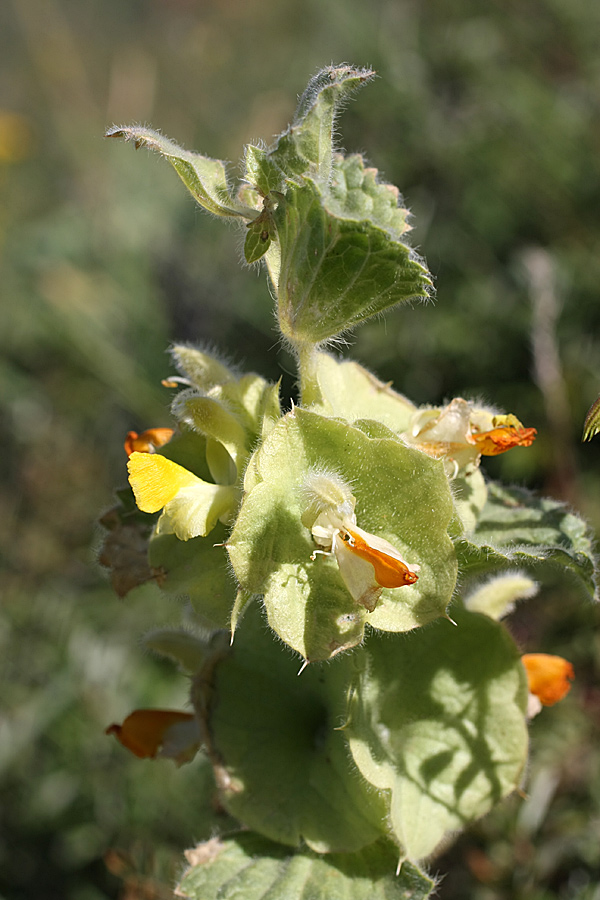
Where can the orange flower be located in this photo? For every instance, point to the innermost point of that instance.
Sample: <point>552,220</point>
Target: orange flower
<point>549,676</point>
<point>498,440</point>
<point>461,433</point>
<point>147,441</point>
<point>149,733</point>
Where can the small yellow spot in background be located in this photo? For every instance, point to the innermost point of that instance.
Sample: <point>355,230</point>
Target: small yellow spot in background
<point>16,139</point>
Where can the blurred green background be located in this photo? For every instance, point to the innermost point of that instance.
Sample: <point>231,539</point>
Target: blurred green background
<point>487,116</point>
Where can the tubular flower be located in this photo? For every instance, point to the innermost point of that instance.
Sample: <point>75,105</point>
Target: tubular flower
<point>462,434</point>
<point>367,563</point>
<point>191,506</point>
<point>148,441</point>
<point>149,733</point>
<point>549,679</point>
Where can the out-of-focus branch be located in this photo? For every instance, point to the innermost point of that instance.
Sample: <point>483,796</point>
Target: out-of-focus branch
<point>548,372</point>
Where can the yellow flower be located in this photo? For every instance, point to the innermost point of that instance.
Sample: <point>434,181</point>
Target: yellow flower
<point>191,507</point>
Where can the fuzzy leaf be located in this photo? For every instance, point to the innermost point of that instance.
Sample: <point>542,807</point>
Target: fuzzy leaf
<point>205,178</point>
<point>336,272</point>
<point>258,240</point>
<point>251,867</point>
<point>402,495</point>
<point>517,528</point>
<point>439,722</point>
<point>307,145</point>
<point>196,570</point>
<point>355,193</point>
<point>470,496</point>
<point>275,735</point>
<point>211,419</point>
<point>202,369</point>
<point>261,171</point>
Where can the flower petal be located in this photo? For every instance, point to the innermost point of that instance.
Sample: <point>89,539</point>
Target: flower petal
<point>390,569</point>
<point>548,676</point>
<point>195,510</point>
<point>499,440</point>
<point>147,441</point>
<point>148,733</point>
<point>156,480</point>
<point>368,563</point>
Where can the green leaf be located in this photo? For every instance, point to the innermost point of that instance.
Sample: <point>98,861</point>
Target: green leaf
<point>261,171</point>
<point>591,425</point>
<point>196,570</point>
<point>348,390</point>
<point>439,723</point>
<point>283,762</point>
<point>248,866</point>
<point>470,496</point>
<point>517,528</point>
<point>336,272</point>
<point>307,145</point>
<point>205,178</point>
<point>258,240</point>
<point>402,496</point>
<point>355,193</point>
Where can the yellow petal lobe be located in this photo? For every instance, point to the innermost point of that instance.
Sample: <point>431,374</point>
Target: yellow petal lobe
<point>155,480</point>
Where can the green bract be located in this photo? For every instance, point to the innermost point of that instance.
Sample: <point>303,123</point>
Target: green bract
<point>349,520</point>
<point>283,763</point>
<point>347,390</point>
<point>401,495</point>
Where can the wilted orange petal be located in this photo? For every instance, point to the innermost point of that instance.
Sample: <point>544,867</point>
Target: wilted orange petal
<point>549,676</point>
<point>147,441</point>
<point>156,480</point>
<point>143,730</point>
<point>499,440</point>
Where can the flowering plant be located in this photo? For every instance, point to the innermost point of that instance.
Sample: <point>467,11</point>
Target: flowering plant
<point>351,540</point>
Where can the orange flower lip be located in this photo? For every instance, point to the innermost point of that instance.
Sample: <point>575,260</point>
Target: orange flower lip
<point>143,731</point>
<point>147,441</point>
<point>390,570</point>
<point>549,676</point>
<point>499,440</point>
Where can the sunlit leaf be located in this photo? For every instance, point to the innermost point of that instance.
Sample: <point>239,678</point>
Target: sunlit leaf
<point>205,178</point>
<point>517,528</point>
<point>254,868</point>
<point>439,723</point>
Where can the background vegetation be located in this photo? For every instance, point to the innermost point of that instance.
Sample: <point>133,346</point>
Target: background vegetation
<point>487,117</point>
